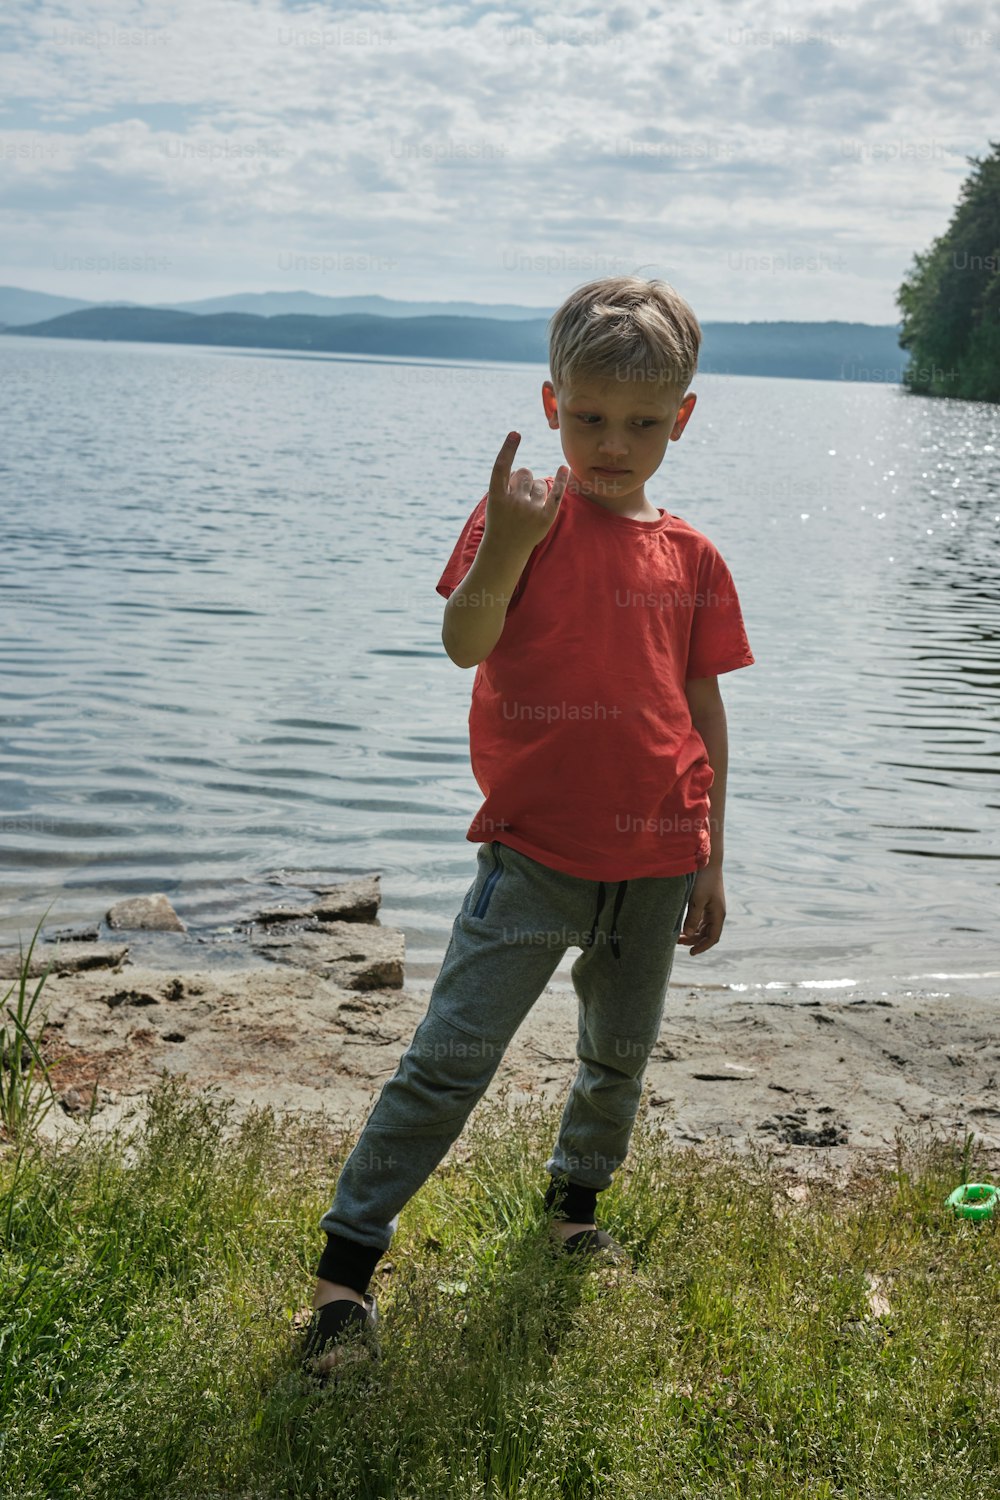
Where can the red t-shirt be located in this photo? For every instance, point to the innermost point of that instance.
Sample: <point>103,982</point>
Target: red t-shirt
<point>580,734</point>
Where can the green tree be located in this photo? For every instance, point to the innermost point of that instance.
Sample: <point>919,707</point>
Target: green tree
<point>950,298</point>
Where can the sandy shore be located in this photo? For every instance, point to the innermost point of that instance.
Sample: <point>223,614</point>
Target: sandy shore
<point>817,1080</point>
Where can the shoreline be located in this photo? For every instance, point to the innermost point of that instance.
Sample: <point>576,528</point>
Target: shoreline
<point>822,1079</point>
<point>869,975</point>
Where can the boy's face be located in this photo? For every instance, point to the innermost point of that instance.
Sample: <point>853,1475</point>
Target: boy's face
<point>614,434</point>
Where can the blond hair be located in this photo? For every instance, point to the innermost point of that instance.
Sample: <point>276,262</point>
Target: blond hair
<point>622,328</point>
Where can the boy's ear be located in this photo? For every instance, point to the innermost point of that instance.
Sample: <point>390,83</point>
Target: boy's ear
<point>550,404</point>
<point>683,413</point>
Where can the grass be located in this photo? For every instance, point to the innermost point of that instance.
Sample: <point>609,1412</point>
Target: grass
<point>842,1345</point>
<point>26,1093</point>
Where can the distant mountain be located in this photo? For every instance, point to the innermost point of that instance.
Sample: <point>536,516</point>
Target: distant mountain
<point>816,351</point>
<point>353,333</point>
<point>866,352</point>
<point>19,307</point>
<point>274,304</point>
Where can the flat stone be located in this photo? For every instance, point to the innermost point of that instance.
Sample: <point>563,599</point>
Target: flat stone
<point>354,955</point>
<point>67,958</point>
<point>283,914</point>
<point>152,912</point>
<point>353,901</point>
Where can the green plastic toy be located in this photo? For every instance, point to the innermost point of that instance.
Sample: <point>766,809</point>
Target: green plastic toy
<point>974,1200</point>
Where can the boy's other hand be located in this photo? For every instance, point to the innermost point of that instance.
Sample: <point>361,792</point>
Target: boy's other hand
<point>706,911</point>
<point>518,510</point>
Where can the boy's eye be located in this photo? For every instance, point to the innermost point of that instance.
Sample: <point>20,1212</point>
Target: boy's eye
<point>588,419</point>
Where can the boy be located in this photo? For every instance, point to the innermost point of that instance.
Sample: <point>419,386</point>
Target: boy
<point>598,625</point>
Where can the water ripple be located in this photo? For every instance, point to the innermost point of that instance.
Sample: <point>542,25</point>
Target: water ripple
<point>215,652</point>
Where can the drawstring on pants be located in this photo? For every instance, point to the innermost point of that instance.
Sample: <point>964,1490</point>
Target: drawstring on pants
<point>619,898</point>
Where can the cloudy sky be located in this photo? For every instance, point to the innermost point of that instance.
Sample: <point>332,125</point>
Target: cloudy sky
<point>779,165</point>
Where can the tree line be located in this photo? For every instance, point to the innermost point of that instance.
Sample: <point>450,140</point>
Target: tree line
<point>950,298</point>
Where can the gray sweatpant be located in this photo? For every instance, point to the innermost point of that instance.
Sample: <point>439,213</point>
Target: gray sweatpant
<point>517,920</point>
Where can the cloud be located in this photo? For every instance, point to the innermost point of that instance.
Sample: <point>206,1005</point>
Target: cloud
<point>223,135</point>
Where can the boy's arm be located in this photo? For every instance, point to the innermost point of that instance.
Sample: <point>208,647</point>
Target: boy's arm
<point>708,715</point>
<point>706,913</point>
<point>476,610</point>
<point>516,520</point>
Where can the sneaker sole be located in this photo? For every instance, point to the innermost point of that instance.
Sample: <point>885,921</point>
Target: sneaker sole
<point>592,1245</point>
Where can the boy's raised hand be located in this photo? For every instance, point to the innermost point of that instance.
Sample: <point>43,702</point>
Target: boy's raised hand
<point>518,511</point>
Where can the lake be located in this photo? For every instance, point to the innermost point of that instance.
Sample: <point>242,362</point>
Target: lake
<point>221,652</point>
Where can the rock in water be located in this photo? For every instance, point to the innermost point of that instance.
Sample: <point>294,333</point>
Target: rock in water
<point>351,901</point>
<point>154,912</point>
<point>354,901</point>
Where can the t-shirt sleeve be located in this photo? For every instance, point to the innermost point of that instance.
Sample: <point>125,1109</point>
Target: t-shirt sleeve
<point>464,553</point>
<point>718,636</point>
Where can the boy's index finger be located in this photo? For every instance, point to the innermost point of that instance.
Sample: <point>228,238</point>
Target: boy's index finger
<point>504,459</point>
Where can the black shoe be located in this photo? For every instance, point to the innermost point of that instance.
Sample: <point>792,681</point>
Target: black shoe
<point>593,1245</point>
<point>341,1334</point>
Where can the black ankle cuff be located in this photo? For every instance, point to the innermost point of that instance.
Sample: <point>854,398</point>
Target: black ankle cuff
<point>571,1200</point>
<point>349,1262</point>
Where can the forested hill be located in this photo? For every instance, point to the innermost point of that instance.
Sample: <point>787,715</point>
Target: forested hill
<point>950,299</point>
<point>817,351</point>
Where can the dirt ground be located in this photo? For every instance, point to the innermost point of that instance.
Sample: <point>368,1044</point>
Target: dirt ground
<point>818,1081</point>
